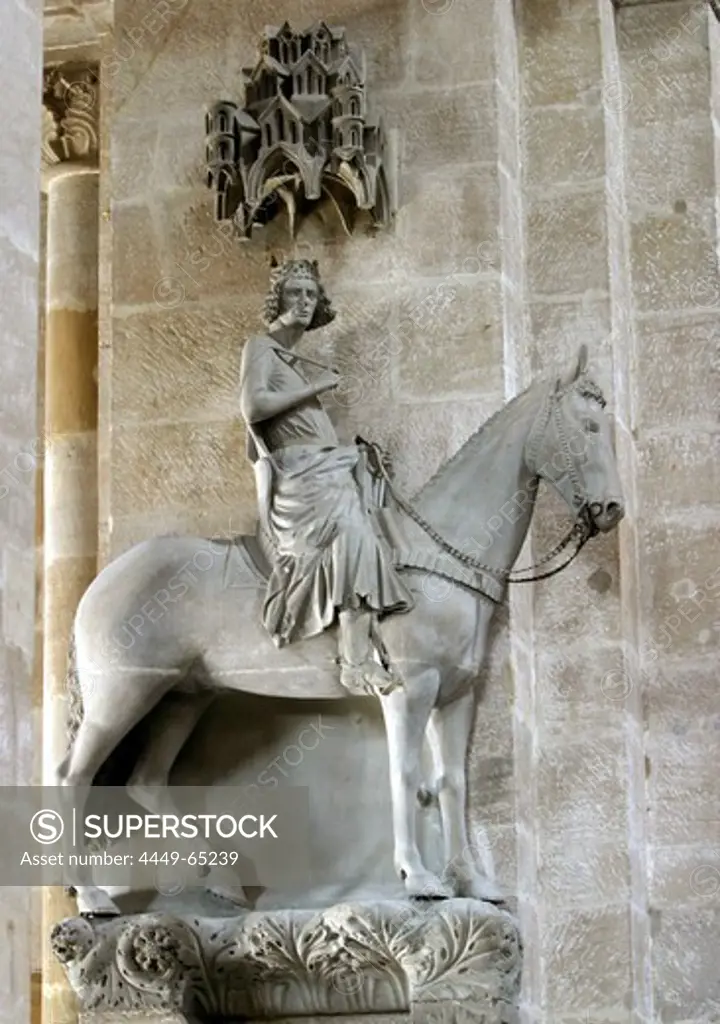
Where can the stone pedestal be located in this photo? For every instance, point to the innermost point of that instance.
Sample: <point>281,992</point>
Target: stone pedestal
<point>432,961</point>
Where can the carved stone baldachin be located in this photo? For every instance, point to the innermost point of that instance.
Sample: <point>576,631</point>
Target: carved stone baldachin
<point>303,132</point>
<point>355,958</point>
<point>70,114</point>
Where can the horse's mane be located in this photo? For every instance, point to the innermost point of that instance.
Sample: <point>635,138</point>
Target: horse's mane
<point>476,437</point>
<point>583,384</point>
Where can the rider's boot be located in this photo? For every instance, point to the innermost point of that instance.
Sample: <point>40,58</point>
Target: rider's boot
<point>360,672</point>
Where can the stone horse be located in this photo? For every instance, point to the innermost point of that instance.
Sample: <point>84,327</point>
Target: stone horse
<point>209,637</point>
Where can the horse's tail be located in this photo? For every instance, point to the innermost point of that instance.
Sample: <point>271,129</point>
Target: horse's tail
<point>73,693</point>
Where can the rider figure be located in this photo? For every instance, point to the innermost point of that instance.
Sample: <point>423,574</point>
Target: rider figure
<point>328,558</point>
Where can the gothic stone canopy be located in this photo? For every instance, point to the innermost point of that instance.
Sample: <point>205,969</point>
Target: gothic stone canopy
<point>303,132</point>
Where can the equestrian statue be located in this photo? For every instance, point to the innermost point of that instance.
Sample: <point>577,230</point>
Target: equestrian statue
<point>330,596</point>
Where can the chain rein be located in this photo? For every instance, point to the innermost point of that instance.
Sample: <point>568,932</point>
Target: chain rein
<point>581,531</point>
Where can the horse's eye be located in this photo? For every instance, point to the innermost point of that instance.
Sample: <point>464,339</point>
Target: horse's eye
<point>591,427</point>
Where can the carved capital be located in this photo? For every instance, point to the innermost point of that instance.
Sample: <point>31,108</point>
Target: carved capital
<point>70,115</point>
<point>356,958</point>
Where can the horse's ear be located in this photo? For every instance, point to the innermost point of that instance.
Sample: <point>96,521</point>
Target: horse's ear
<point>577,368</point>
<point>582,361</point>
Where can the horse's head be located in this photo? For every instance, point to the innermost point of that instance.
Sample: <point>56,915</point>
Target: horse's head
<point>570,446</point>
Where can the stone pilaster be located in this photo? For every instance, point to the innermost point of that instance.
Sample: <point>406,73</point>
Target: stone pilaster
<point>670,426</point>
<point>70,484</point>
<point>624,683</point>
<point>572,751</point>
<point>517,375</point>
<point>714,42</point>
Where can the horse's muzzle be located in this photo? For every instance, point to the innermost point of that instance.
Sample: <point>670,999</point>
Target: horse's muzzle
<point>607,514</point>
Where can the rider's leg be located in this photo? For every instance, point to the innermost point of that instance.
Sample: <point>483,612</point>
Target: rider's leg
<point>361,672</point>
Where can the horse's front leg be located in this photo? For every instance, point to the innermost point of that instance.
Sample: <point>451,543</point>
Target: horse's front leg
<point>449,736</point>
<point>406,715</point>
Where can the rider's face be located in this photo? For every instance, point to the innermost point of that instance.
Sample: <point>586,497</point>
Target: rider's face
<point>301,295</point>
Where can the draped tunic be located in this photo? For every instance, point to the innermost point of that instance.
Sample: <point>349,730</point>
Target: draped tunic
<point>328,554</point>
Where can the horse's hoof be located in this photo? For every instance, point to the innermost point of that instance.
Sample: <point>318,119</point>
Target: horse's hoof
<point>236,898</point>
<point>480,887</point>
<point>426,886</point>
<point>100,908</point>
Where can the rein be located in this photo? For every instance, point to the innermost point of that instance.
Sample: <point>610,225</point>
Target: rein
<point>580,532</point>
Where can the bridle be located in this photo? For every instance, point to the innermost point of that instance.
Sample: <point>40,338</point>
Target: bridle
<point>580,532</point>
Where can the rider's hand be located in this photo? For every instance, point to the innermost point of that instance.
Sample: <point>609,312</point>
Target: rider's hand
<point>287,319</point>
<point>326,381</point>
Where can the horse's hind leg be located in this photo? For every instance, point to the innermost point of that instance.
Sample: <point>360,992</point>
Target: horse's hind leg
<point>171,724</point>
<point>114,703</point>
<point>449,735</point>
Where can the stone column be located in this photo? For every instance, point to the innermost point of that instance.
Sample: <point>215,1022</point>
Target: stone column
<point>70,485</point>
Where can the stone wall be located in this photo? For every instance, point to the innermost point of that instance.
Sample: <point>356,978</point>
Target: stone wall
<point>184,298</point>
<point>556,169</point>
<point>20,688</point>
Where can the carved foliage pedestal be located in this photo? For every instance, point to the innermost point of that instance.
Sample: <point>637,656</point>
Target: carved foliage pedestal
<point>439,963</point>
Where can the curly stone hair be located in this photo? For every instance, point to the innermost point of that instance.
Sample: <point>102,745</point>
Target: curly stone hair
<point>324,313</point>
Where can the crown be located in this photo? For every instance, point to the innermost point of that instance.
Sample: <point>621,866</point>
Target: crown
<point>294,268</point>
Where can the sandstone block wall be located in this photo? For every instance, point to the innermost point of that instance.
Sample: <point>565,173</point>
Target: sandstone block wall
<point>556,170</point>
<point>186,297</point>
